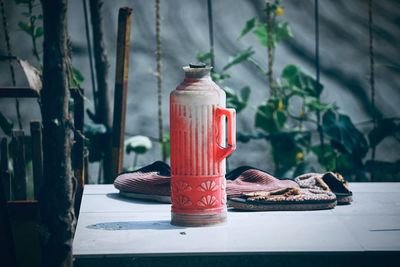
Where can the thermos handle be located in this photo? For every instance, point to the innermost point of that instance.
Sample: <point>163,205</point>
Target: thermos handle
<point>230,113</point>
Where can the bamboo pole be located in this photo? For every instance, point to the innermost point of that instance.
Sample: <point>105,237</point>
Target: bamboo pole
<point>121,91</point>
<point>103,110</point>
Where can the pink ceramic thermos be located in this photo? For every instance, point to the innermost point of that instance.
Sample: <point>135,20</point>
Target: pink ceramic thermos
<point>198,150</point>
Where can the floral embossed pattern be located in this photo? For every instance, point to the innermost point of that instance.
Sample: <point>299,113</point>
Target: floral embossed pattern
<point>208,201</point>
<point>208,186</point>
<point>184,201</point>
<point>182,187</point>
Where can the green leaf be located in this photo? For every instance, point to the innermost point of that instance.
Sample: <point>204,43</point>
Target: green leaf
<point>250,24</point>
<point>139,144</point>
<point>26,27</point>
<point>282,32</point>
<point>39,32</point>
<point>204,57</point>
<point>270,117</point>
<point>317,105</point>
<point>326,156</point>
<point>235,101</point>
<point>298,80</point>
<point>258,66</point>
<point>246,137</point>
<point>239,57</point>
<point>166,143</point>
<point>385,128</point>
<point>77,75</point>
<point>219,77</point>
<point>288,150</point>
<point>261,34</point>
<point>344,135</point>
<point>6,125</point>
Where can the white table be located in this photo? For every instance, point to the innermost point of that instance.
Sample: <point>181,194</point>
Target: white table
<point>111,226</point>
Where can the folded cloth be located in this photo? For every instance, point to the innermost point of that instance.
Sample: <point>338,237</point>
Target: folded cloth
<point>150,182</point>
<point>329,182</point>
<point>286,199</point>
<point>247,179</point>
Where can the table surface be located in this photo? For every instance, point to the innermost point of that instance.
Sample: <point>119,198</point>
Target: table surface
<point>110,225</point>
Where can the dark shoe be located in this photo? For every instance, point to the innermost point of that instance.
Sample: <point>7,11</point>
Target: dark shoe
<point>332,182</point>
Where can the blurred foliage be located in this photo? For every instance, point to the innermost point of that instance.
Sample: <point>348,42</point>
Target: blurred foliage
<point>95,140</point>
<point>138,145</point>
<point>6,125</point>
<point>287,120</point>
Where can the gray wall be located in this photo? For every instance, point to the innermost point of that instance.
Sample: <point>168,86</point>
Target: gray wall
<point>344,59</point>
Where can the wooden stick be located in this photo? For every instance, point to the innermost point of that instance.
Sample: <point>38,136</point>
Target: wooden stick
<point>77,149</point>
<point>7,252</point>
<point>37,156</point>
<point>86,165</point>
<point>103,109</point>
<point>121,90</point>
<point>57,196</point>
<point>4,172</point>
<point>19,178</point>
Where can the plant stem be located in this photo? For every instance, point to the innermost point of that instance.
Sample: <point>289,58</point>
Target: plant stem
<point>317,74</point>
<point>159,82</point>
<point>211,32</point>
<point>270,50</point>
<point>135,161</point>
<point>89,45</point>
<point>32,22</point>
<point>372,74</point>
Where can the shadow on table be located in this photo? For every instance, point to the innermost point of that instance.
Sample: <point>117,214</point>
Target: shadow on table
<point>134,225</point>
<point>117,196</point>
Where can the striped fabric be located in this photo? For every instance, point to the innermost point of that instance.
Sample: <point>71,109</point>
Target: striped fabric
<point>253,180</point>
<point>153,179</point>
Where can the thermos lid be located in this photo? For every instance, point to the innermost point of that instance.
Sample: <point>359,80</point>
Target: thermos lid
<point>197,65</point>
<point>197,70</point>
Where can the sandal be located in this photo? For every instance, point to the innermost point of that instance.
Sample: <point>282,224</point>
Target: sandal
<point>329,182</point>
<point>288,199</point>
<point>151,182</point>
<point>252,189</point>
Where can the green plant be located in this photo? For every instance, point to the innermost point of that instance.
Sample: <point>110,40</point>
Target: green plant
<point>31,24</point>
<point>288,119</point>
